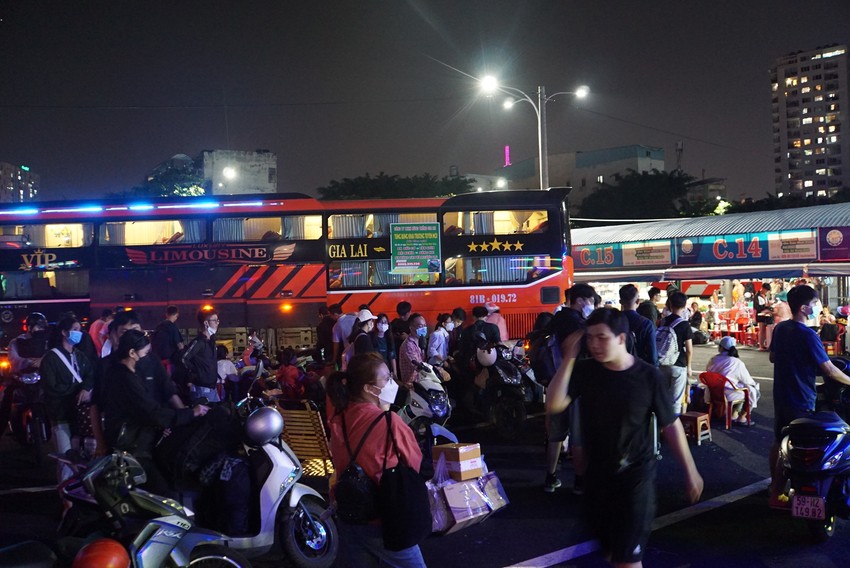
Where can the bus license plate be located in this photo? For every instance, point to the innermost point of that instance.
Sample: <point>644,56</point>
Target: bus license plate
<point>808,507</point>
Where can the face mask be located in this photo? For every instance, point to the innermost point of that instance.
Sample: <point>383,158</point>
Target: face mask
<point>586,310</point>
<point>389,392</point>
<point>75,336</point>
<point>212,328</point>
<point>421,331</point>
<point>40,334</point>
<point>811,314</point>
<point>382,327</point>
<point>450,326</point>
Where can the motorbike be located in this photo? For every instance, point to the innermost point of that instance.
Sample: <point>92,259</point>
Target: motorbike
<point>427,411</point>
<point>280,510</point>
<point>503,393</point>
<point>154,529</point>
<point>815,452</point>
<point>29,554</point>
<point>28,418</point>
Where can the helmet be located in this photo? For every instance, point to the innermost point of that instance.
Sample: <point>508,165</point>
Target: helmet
<point>36,318</point>
<point>263,425</point>
<point>487,357</point>
<point>102,553</point>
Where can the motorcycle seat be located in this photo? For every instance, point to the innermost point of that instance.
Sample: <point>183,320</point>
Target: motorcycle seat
<point>823,420</point>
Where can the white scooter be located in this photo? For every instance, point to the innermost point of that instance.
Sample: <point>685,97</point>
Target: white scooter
<point>427,412</point>
<point>282,511</point>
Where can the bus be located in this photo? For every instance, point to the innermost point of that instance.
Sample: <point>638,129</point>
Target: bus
<point>268,262</point>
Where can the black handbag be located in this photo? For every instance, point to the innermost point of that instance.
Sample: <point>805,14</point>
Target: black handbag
<point>402,501</point>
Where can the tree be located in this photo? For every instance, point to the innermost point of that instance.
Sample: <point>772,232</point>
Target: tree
<point>644,195</point>
<point>170,182</point>
<point>772,203</point>
<point>384,186</point>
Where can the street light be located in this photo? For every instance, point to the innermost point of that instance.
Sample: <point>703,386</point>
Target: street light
<point>490,85</point>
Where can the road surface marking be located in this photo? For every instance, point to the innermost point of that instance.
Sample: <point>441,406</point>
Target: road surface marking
<point>583,548</point>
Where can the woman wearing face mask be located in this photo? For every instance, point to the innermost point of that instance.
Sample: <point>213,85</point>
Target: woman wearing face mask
<point>383,342</point>
<point>133,419</point>
<point>356,399</point>
<point>438,343</point>
<point>67,377</point>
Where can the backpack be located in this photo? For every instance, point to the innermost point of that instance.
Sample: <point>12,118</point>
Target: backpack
<point>544,355</point>
<point>355,493</point>
<point>667,343</point>
<point>183,372</point>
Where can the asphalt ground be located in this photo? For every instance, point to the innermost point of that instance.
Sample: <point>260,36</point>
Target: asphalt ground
<point>731,526</point>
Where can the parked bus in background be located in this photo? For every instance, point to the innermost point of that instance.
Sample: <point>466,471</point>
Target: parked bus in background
<point>269,261</point>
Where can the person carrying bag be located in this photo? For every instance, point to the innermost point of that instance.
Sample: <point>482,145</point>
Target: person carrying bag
<point>358,400</point>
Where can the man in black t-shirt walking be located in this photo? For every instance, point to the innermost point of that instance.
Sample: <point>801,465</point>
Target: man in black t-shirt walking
<point>619,394</point>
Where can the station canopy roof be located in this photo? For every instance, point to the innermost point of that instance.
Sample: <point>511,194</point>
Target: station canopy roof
<point>834,215</point>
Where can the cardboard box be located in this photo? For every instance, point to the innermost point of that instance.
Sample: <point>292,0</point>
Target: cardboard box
<point>492,488</point>
<point>466,504</point>
<point>463,460</point>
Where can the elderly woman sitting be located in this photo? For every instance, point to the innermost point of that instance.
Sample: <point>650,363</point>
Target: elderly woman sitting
<point>727,363</point>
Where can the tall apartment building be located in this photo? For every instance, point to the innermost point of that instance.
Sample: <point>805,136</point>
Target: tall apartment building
<point>18,183</point>
<point>809,104</point>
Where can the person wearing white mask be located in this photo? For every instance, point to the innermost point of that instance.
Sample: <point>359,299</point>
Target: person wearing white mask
<point>384,343</point>
<point>581,301</point>
<point>200,358</point>
<point>438,343</point>
<point>358,399</point>
<point>67,377</point>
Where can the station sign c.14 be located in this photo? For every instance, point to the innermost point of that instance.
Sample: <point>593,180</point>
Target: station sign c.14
<point>747,247</point>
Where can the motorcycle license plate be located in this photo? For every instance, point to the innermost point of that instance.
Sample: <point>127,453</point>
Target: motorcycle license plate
<point>808,507</point>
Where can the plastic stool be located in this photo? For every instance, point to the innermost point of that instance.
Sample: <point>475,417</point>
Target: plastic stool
<point>697,426</point>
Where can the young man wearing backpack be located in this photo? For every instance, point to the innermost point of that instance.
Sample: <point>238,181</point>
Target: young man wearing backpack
<point>581,300</point>
<point>642,329</point>
<point>674,340</point>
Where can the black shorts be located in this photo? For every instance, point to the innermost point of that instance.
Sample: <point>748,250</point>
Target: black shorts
<point>559,426</point>
<point>782,417</point>
<point>620,510</point>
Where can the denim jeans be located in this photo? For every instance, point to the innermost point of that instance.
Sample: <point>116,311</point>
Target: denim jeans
<point>677,378</point>
<point>363,547</point>
<point>62,442</point>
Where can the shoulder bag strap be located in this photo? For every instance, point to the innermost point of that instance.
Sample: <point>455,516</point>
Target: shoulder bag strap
<point>353,456</point>
<point>391,440</point>
<point>73,371</point>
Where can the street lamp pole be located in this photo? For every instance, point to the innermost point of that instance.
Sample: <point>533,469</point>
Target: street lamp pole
<point>490,84</point>
<point>542,137</point>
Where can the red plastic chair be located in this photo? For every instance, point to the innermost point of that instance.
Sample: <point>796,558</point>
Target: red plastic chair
<point>719,406</point>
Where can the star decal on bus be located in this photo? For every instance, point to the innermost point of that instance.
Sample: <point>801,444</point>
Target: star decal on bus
<point>495,245</point>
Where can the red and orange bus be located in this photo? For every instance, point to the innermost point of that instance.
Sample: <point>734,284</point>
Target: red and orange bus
<point>269,261</point>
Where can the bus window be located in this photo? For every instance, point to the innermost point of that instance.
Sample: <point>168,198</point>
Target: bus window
<point>368,225</point>
<point>495,269</point>
<point>373,274</point>
<point>176,231</point>
<point>66,235</point>
<point>35,285</point>
<point>289,228</point>
<point>494,222</point>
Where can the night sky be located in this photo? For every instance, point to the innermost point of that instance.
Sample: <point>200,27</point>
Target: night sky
<point>95,94</point>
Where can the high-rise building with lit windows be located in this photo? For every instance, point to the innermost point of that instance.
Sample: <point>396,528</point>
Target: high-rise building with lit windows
<point>809,104</point>
<point>17,183</point>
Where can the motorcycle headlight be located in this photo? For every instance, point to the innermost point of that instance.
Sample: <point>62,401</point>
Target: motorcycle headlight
<point>439,403</point>
<point>30,378</point>
<point>833,461</point>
